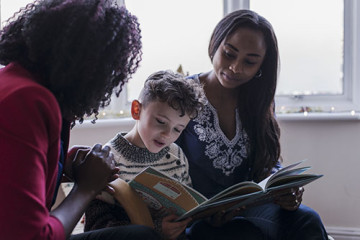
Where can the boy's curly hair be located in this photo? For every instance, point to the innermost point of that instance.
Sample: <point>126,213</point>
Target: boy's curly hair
<point>81,50</point>
<point>180,93</point>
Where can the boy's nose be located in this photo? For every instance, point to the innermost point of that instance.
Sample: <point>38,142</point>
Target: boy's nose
<point>166,132</point>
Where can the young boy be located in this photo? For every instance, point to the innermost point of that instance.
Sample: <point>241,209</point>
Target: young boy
<point>166,104</point>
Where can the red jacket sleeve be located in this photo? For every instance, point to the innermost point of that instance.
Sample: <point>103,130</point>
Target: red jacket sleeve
<point>30,125</point>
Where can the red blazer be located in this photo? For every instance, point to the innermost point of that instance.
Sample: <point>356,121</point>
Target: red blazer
<point>30,126</point>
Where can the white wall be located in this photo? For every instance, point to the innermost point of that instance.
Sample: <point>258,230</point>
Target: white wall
<point>100,132</point>
<point>332,148</point>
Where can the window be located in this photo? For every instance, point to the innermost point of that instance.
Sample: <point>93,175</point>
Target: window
<point>174,34</point>
<point>318,42</point>
<point>318,48</point>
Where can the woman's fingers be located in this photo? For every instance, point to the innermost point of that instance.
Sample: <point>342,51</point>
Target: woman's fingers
<point>292,200</point>
<point>106,151</point>
<point>96,168</point>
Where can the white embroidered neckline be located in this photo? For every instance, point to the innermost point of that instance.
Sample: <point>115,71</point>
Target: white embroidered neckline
<point>218,129</point>
<point>224,153</point>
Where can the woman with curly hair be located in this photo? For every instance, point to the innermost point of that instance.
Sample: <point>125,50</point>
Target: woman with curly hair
<point>63,60</point>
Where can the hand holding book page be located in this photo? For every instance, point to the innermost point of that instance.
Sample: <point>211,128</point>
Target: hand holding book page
<point>160,191</point>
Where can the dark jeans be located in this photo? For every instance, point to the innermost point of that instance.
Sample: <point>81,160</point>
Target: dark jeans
<point>236,229</point>
<point>267,221</point>
<point>129,232</point>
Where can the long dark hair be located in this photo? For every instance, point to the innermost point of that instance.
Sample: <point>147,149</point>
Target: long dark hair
<point>81,50</point>
<point>256,97</point>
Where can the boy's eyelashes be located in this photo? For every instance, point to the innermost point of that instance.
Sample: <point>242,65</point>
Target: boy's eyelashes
<point>159,121</point>
<point>162,122</point>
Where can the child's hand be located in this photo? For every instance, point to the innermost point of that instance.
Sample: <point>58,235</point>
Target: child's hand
<point>170,229</point>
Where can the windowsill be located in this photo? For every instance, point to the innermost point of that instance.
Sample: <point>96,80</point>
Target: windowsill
<point>311,116</point>
<point>116,122</point>
<point>316,116</point>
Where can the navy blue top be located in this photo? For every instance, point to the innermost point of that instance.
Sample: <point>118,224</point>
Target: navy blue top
<point>215,162</point>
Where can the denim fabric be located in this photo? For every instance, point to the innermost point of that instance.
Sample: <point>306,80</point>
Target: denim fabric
<point>268,220</point>
<point>237,228</point>
<point>133,232</point>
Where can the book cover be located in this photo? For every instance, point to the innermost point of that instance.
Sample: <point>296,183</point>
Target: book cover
<point>161,191</point>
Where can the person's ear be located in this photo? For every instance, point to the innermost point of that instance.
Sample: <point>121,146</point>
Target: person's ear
<point>135,109</point>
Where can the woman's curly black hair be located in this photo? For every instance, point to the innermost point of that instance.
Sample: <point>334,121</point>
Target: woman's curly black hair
<point>81,50</point>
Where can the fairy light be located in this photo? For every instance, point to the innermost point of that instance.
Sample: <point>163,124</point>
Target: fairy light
<point>352,112</point>
<point>305,113</point>
<point>121,112</point>
<point>332,109</point>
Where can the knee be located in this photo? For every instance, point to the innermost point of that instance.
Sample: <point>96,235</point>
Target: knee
<point>310,217</point>
<point>310,224</point>
<point>144,232</point>
<point>244,228</point>
<point>234,229</point>
<point>199,230</point>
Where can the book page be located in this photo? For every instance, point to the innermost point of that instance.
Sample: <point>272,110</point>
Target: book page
<point>281,171</point>
<point>286,174</point>
<point>293,181</point>
<point>238,189</point>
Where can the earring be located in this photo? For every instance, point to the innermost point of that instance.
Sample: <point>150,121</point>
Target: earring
<point>258,74</point>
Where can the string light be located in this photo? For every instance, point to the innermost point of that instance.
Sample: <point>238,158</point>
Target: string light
<point>306,110</point>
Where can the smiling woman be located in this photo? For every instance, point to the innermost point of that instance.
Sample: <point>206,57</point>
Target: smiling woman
<point>240,57</point>
<point>237,138</point>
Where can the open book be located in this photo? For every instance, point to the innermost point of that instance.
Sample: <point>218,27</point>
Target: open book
<point>160,191</point>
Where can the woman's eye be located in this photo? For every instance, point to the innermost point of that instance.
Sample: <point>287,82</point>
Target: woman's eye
<point>250,62</point>
<point>177,130</point>
<point>159,121</point>
<point>229,55</point>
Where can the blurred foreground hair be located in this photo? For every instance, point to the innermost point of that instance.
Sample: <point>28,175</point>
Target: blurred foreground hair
<point>81,50</point>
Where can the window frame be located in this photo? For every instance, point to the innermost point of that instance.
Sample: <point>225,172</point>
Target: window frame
<point>350,99</point>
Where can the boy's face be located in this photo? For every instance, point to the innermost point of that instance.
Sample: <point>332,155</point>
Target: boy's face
<point>159,125</point>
